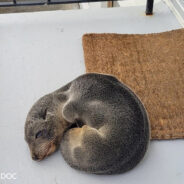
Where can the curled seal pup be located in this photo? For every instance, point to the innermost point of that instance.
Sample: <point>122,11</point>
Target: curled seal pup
<point>99,123</point>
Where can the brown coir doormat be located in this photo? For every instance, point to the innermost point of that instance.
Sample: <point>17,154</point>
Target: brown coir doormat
<point>152,65</point>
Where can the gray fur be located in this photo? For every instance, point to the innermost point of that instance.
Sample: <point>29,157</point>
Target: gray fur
<point>115,132</point>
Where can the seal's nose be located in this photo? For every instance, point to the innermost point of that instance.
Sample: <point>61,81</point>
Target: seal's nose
<point>34,157</point>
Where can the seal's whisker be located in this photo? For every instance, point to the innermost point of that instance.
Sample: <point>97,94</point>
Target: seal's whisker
<point>44,146</point>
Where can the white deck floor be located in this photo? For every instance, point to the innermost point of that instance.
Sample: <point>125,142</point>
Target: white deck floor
<point>40,52</point>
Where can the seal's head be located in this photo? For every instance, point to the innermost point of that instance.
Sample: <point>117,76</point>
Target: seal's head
<point>43,130</point>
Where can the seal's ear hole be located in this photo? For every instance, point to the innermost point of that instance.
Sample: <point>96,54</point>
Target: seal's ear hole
<point>43,114</point>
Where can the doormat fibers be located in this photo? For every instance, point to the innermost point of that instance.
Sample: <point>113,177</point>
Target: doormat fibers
<point>152,65</point>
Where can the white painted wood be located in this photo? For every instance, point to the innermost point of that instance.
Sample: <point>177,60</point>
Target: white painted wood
<point>127,3</point>
<point>93,5</point>
<point>84,5</point>
<point>176,10</point>
<point>122,3</point>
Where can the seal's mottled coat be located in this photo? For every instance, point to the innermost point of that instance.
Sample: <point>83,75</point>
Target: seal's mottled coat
<point>112,128</point>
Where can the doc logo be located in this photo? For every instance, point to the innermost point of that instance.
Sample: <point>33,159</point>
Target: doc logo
<point>8,176</point>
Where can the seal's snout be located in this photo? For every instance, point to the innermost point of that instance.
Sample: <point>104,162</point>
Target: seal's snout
<point>35,157</point>
<point>38,154</point>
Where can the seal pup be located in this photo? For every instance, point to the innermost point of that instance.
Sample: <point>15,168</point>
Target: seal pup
<point>99,123</point>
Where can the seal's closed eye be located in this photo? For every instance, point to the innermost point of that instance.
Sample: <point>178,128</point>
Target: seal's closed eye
<point>41,133</point>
